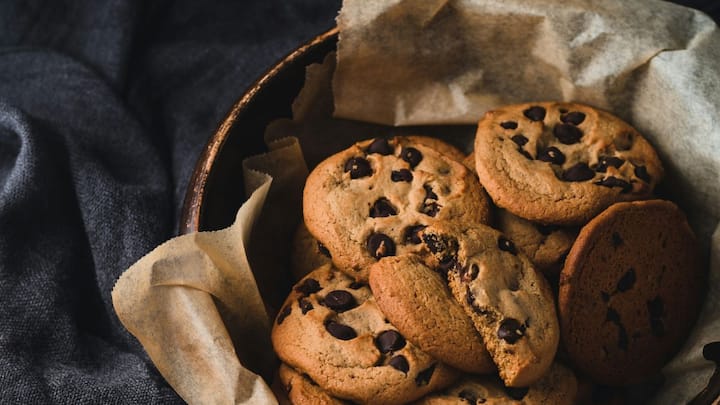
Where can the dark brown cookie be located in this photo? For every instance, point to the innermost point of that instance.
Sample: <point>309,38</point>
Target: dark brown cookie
<point>509,302</point>
<point>562,163</point>
<point>370,200</point>
<point>418,302</point>
<point>630,291</point>
<point>331,329</point>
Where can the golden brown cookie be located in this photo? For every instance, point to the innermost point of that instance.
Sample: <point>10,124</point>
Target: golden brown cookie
<point>630,291</point>
<point>562,163</point>
<point>331,329</point>
<point>557,387</point>
<point>418,302</point>
<point>368,201</point>
<point>301,390</point>
<point>509,302</point>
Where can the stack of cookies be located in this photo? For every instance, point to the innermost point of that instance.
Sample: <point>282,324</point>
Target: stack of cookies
<point>432,277</point>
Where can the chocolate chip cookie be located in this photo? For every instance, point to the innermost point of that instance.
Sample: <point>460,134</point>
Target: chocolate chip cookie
<point>301,390</point>
<point>370,200</point>
<point>509,302</point>
<point>545,245</point>
<point>331,329</point>
<point>562,163</point>
<point>630,290</point>
<point>418,302</point>
<point>557,387</point>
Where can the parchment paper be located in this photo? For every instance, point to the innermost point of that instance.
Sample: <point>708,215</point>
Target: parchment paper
<point>194,302</point>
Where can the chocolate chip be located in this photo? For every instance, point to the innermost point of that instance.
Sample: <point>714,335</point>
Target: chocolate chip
<point>656,307</point>
<point>305,305</point>
<point>358,167</point>
<point>356,285</point>
<point>535,113</point>
<point>605,296</point>
<point>430,209</point>
<point>519,139</point>
<point>382,208</point>
<point>380,245</point>
<point>552,155</point>
<point>509,124</point>
<point>711,352</point>
<point>423,377</point>
<point>401,175</point>
<point>381,146</point>
<point>389,341</point>
<point>447,264</point>
<point>339,300</point>
<point>510,330</point>
<point>507,245</point>
<point>412,234</point>
<point>573,117</point>
<point>399,363</point>
<point>616,240</point>
<point>517,393</point>
<point>429,193</point>
<point>469,396</point>
<point>657,326</point>
<point>642,174</point>
<point>340,331</point>
<point>283,314</point>
<point>567,134</point>
<point>606,161</point>
<point>525,153</point>
<point>627,281</point>
<point>434,243</point>
<point>412,156</point>
<point>308,286</point>
<point>578,172</point>
<point>323,250</point>
<point>612,316</point>
<point>615,182</point>
<point>623,141</point>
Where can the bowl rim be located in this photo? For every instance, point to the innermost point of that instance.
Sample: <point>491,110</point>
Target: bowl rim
<point>190,213</point>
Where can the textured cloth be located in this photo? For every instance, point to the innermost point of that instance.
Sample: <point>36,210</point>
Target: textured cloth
<point>104,107</point>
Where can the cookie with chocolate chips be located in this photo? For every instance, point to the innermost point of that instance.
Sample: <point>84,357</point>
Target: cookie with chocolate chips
<point>630,291</point>
<point>331,329</point>
<point>562,163</point>
<point>417,300</point>
<point>370,200</point>
<point>557,387</point>
<point>509,302</point>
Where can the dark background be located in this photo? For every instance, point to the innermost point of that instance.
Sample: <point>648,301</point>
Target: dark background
<point>104,108</point>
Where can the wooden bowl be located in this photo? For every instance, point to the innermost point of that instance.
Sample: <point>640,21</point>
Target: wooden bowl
<point>216,190</point>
